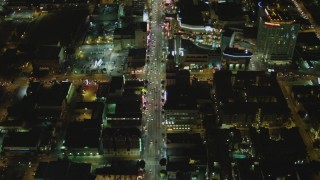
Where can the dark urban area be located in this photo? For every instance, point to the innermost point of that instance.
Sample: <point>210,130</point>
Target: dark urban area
<point>159,90</point>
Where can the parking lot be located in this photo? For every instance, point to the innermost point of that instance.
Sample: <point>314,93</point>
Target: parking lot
<point>96,55</point>
<point>99,59</point>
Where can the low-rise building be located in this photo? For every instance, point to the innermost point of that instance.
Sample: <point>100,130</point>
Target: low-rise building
<point>136,61</point>
<point>187,162</point>
<point>287,145</point>
<point>122,142</point>
<point>124,38</point>
<point>83,139</point>
<point>32,141</point>
<point>180,111</point>
<point>53,96</point>
<point>250,98</point>
<point>235,59</point>
<point>126,169</point>
<point>184,102</point>
<point>103,91</point>
<point>48,58</point>
<point>125,111</point>
<point>63,170</point>
<point>116,86</point>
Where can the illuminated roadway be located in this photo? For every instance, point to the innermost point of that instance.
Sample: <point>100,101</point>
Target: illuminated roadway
<point>305,14</point>
<point>154,134</point>
<point>304,132</point>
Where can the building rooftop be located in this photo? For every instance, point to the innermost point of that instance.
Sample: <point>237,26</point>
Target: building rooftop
<point>190,48</point>
<point>194,6</point>
<point>119,167</point>
<point>133,84</point>
<point>136,57</point>
<point>48,52</point>
<point>197,153</point>
<point>278,168</point>
<point>185,170</point>
<point>229,12</point>
<point>137,53</point>
<point>95,109</point>
<point>142,26</point>
<point>47,113</point>
<point>83,134</point>
<point>124,111</point>
<point>240,107</point>
<point>19,140</point>
<point>201,90</point>
<point>63,170</point>
<point>129,104</point>
<point>276,16</point>
<point>289,146</point>
<point>126,32</point>
<point>122,131</point>
<point>184,138</point>
<point>103,89</point>
<point>248,169</point>
<point>117,83</point>
<point>177,100</point>
<point>48,95</point>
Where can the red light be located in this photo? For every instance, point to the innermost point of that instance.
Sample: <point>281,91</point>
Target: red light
<point>271,24</point>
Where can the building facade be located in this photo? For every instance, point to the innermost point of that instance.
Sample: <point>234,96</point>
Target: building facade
<point>277,37</point>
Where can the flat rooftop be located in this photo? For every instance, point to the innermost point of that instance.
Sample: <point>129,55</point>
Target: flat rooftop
<point>275,15</point>
<point>194,6</point>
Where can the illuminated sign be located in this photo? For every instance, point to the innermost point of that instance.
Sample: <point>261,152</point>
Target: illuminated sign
<point>272,24</point>
<point>237,56</point>
<point>190,27</point>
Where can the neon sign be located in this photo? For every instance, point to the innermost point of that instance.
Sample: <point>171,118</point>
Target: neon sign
<point>272,24</point>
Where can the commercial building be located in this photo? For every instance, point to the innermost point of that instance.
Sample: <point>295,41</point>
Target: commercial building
<point>125,111</point>
<point>54,96</point>
<point>124,104</point>
<point>131,35</point>
<point>235,59</point>
<point>116,86</point>
<point>277,37</point>
<point>137,7</point>
<point>48,58</point>
<point>63,170</point>
<point>123,38</point>
<point>186,153</point>
<point>198,26</point>
<point>221,144</point>
<point>307,99</point>
<point>122,142</point>
<point>83,135</point>
<point>82,139</point>
<point>33,141</point>
<point>287,145</point>
<point>249,98</point>
<point>126,169</point>
<point>136,60</point>
<point>41,104</point>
